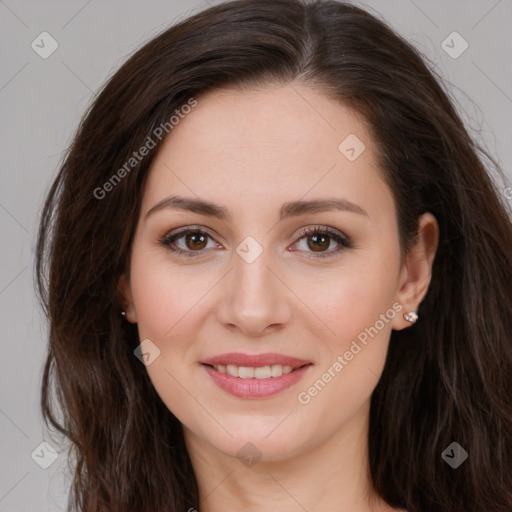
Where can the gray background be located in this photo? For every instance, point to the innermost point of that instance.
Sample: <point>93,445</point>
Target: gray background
<point>41,102</point>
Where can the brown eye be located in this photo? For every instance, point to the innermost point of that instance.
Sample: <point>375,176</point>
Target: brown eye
<point>319,242</point>
<point>187,242</point>
<point>196,240</point>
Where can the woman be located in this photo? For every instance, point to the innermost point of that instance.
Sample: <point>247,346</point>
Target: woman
<point>279,276</point>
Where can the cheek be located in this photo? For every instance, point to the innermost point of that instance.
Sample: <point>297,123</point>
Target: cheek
<point>166,296</point>
<point>359,311</point>
<point>168,306</point>
<point>171,304</point>
<point>353,297</point>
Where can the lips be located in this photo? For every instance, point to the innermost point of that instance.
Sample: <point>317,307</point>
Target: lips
<point>286,371</point>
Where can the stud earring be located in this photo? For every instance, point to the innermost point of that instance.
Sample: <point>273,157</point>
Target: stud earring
<point>123,313</point>
<point>411,317</point>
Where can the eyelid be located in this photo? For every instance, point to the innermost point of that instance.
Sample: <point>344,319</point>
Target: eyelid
<point>309,230</point>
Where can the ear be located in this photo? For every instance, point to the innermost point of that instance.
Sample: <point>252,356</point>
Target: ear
<point>125,298</point>
<point>416,272</point>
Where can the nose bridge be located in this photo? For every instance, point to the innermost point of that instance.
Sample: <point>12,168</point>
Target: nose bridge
<point>257,299</point>
<point>252,277</point>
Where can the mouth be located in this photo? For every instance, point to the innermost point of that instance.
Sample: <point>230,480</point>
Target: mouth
<point>255,376</point>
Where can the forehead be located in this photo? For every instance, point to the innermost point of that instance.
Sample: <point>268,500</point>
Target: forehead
<point>277,142</point>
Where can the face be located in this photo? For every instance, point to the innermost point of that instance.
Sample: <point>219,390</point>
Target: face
<point>277,281</point>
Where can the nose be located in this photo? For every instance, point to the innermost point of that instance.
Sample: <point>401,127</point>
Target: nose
<point>255,299</point>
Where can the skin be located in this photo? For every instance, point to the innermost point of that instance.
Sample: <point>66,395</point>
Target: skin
<point>252,151</point>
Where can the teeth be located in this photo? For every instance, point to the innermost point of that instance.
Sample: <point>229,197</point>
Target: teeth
<point>231,369</point>
<point>245,372</point>
<point>249,372</point>
<point>263,372</point>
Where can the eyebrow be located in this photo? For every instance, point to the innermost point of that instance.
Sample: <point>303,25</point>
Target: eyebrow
<point>289,209</point>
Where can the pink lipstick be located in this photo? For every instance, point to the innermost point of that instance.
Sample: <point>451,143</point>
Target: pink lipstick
<point>255,376</point>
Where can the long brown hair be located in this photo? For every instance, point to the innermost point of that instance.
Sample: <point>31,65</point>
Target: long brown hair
<point>446,379</point>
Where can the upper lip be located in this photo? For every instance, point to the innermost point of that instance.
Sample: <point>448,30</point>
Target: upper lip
<point>255,360</point>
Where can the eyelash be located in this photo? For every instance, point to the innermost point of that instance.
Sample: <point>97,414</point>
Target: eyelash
<point>344,242</point>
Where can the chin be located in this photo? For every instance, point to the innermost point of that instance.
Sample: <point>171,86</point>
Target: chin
<point>253,441</point>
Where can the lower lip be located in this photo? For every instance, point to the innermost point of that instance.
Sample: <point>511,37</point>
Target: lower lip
<point>255,388</point>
